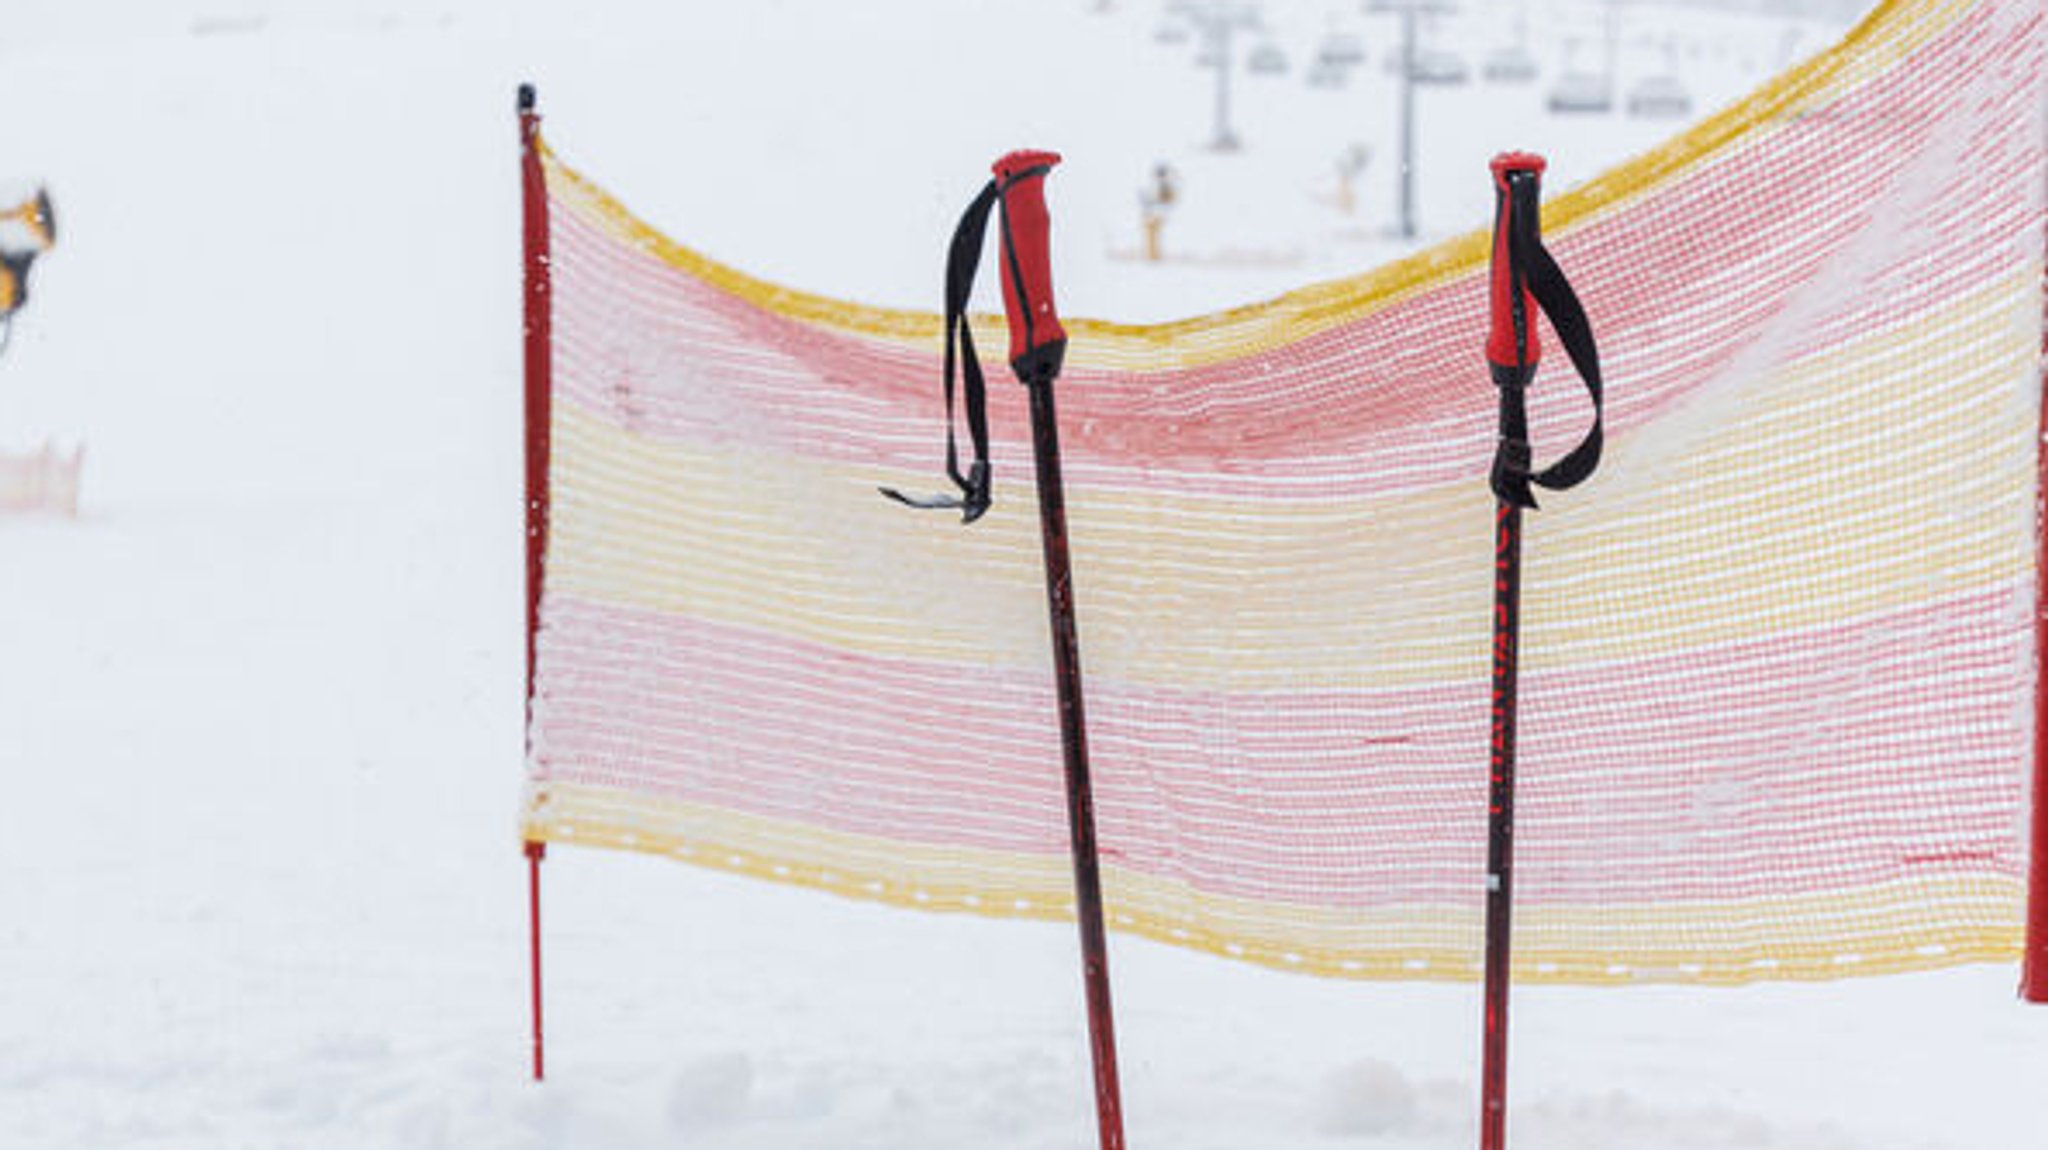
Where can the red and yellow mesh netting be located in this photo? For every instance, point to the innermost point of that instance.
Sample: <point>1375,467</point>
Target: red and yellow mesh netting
<point>1778,673</point>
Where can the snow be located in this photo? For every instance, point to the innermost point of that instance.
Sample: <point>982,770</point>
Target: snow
<point>260,883</point>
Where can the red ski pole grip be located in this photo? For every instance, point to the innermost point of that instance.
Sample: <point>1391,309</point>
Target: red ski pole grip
<point>1037,341</point>
<point>1511,341</point>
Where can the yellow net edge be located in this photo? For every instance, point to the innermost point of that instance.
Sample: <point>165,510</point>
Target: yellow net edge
<point>1431,944</point>
<point>1889,30</point>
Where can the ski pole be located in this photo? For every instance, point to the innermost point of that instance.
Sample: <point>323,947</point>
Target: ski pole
<point>1511,350</point>
<point>1522,278</point>
<point>1038,347</point>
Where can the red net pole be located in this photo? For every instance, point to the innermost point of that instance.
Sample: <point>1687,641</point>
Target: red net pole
<point>533,183</point>
<point>2034,959</point>
<point>535,852</point>
<point>534,201</point>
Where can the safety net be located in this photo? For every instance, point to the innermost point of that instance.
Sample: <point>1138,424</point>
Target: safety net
<point>1778,670</point>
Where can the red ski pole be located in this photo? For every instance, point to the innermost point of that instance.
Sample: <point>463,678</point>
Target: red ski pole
<point>1038,347</point>
<point>1523,278</point>
<point>1512,349</point>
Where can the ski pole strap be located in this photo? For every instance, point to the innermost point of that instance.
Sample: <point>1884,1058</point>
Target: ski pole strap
<point>1524,272</point>
<point>962,259</point>
<point>1037,341</point>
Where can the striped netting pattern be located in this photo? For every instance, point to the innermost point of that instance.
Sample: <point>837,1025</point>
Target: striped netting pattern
<point>1777,668</point>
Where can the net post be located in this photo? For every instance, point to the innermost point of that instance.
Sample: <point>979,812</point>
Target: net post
<point>2034,956</point>
<point>535,852</point>
<point>537,424</point>
<point>539,364</point>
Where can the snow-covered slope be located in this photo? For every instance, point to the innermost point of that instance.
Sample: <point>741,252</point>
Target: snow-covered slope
<point>259,706</point>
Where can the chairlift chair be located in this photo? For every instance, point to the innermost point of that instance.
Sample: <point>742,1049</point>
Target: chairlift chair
<point>1582,94</point>
<point>1340,50</point>
<point>1510,65</point>
<point>1268,59</point>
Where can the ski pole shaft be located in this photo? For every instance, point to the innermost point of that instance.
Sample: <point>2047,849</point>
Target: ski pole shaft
<point>1500,804</point>
<point>1037,348</point>
<point>1066,650</point>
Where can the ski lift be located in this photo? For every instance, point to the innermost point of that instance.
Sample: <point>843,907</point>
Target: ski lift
<point>1323,74</point>
<point>1171,32</point>
<point>1340,50</point>
<point>1268,59</point>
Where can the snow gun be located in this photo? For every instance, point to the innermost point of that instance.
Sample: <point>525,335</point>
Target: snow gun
<point>1525,278</point>
<point>38,219</point>
<point>1038,342</point>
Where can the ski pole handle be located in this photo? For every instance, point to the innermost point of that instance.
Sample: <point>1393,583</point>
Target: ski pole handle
<point>1512,344</point>
<point>1038,343</point>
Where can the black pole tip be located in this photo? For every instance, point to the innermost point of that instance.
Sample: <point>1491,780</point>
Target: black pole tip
<point>526,97</point>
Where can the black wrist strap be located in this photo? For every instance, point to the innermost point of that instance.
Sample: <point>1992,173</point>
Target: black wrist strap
<point>963,258</point>
<point>1533,268</point>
